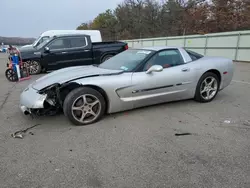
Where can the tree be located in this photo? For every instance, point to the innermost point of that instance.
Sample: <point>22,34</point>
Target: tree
<point>84,26</point>
<point>150,18</point>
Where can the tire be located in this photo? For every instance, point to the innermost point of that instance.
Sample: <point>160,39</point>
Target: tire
<point>199,96</point>
<point>11,75</point>
<point>34,67</point>
<point>75,97</point>
<point>106,57</point>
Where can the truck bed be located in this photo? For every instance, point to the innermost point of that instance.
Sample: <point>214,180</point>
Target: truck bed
<point>96,45</point>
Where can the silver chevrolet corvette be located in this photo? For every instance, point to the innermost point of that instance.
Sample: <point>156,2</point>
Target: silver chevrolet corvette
<point>131,79</point>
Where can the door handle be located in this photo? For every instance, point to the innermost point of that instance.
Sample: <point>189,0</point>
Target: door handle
<point>86,50</point>
<point>64,52</point>
<point>185,69</point>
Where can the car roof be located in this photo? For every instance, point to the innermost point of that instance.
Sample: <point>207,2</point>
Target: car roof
<point>158,48</point>
<point>70,35</point>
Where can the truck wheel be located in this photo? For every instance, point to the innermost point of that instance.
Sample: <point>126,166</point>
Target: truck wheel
<point>34,67</point>
<point>106,57</point>
<point>84,106</point>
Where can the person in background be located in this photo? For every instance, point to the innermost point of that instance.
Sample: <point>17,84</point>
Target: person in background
<point>11,50</point>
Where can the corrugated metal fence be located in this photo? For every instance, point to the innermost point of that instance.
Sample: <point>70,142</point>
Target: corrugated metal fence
<point>234,45</point>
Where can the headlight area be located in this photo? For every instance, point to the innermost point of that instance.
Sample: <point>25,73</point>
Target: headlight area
<point>55,96</point>
<point>53,102</point>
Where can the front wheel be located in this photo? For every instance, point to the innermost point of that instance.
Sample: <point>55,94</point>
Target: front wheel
<point>34,67</point>
<point>207,87</point>
<point>84,106</point>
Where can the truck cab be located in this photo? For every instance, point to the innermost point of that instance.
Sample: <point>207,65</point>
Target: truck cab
<point>69,50</point>
<point>95,36</point>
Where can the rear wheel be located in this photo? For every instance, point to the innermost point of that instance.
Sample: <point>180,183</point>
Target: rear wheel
<point>106,57</point>
<point>84,106</point>
<point>207,87</point>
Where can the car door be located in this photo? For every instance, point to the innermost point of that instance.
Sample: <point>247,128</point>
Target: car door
<point>57,55</point>
<point>68,51</point>
<point>174,82</point>
<point>80,51</point>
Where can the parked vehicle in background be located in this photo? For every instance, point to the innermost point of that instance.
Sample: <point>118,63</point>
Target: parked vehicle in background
<point>69,50</point>
<point>95,35</point>
<point>3,49</point>
<point>131,79</point>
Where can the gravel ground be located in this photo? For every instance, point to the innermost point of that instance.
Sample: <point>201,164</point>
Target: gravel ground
<point>137,148</point>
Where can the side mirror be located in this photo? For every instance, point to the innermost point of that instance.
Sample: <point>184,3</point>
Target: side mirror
<point>154,68</point>
<point>46,49</point>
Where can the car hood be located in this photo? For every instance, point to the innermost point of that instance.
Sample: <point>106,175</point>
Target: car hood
<point>26,46</point>
<point>25,49</point>
<point>29,53</point>
<point>67,74</point>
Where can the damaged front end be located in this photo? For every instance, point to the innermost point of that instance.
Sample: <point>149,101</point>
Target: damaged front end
<point>52,103</point>
<point>43,102</point>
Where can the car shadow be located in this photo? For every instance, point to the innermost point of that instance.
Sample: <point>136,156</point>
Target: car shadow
<point>60,121</point>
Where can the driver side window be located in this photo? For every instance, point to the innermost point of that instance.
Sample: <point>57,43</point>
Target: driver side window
<point>166,58</point>
<point>59,44</point>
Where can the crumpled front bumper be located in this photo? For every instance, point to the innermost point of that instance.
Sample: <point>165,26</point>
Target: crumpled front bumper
<point>31,99</point>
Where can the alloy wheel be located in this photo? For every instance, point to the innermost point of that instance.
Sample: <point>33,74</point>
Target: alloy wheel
<point>86,108</point>
<point>208,88</point>
<point>34,67</point>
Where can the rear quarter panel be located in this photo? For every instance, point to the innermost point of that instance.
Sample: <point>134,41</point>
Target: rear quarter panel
<point>223,65</point>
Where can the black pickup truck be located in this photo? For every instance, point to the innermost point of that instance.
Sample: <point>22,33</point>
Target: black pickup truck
<point>69,50</point>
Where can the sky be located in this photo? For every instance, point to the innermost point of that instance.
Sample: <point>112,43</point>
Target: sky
<point>30,18</point>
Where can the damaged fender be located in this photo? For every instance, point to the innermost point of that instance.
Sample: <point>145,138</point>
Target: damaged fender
<point>31,99</point>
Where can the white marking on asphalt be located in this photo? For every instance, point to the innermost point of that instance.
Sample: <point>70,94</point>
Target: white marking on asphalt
<point>242,82</point>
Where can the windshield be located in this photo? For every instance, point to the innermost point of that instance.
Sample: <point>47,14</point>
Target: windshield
<point>126,60</point>
<point>40,40</point>
<point>43,43</point>
<point>36,40</point>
